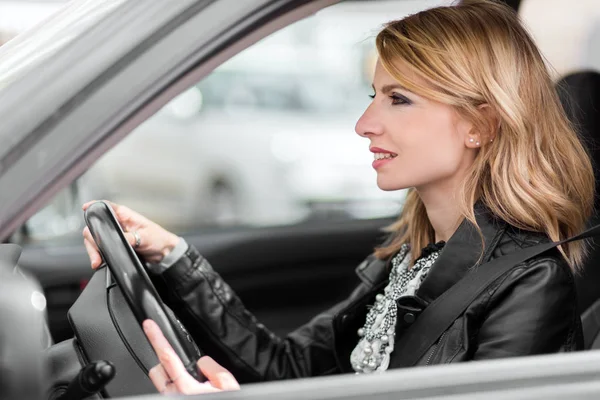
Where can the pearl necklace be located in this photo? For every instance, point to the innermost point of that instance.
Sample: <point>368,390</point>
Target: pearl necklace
<point>376,343</point>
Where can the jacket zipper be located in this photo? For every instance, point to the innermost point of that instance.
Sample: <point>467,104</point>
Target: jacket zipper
<point>434,348</point>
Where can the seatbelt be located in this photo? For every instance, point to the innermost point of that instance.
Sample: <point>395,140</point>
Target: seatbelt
<point>449,306</point>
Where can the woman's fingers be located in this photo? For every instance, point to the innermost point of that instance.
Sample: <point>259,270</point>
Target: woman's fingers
<point>93,254</point>
<point>170,376</point>
<point>124,215</point>
<point>161,380</point>
<point>89,242</point>
<point>163,383</point>
<point>153,240</point>
<point>217,375</point>
<point>155,336</point>
<point>171,363</point>
<point>87,235</point>
<point>91,248</point>
<point>130,237</point>
<point>87,205</point>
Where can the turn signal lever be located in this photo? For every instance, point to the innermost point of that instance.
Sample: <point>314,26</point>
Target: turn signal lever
<point>90,380</point>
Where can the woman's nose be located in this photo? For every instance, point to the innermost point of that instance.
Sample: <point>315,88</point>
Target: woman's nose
<point>368,124</point>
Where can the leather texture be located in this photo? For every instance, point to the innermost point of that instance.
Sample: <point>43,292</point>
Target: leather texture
<point>106,329</point>
<point>98,320</point>
<point>133,335</point>
<point>532,309</point>
<point>129,330</point>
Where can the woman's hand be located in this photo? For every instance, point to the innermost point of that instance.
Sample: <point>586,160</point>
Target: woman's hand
<point>170,376</point>
<point>154,241</point>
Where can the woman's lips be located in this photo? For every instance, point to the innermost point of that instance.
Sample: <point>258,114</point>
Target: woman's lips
<point>381,162</point>
<point>380,150</point>
<point>382,156</point>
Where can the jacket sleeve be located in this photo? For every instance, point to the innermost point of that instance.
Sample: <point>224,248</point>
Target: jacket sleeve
<point>532,311</point>
<point>224,329</point>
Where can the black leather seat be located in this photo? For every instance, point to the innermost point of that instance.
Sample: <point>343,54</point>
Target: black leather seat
<point>580,95</point>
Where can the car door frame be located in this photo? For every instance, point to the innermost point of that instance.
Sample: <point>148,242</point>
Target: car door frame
<point>554,376</point>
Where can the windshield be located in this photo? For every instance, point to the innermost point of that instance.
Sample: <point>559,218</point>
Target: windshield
<point>52,34</point>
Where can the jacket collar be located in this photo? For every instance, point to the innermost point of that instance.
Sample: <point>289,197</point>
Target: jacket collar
<point>372,271</point>
<point>461,253</point>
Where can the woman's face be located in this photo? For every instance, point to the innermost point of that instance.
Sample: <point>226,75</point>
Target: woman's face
<point>416,142</point>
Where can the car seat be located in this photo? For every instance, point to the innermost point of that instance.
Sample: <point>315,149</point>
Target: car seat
<point>579,93</point>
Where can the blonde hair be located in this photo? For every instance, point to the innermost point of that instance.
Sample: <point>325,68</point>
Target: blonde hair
<point>536,175</point>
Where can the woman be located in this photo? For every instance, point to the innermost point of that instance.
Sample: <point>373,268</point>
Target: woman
<point>464,114</point>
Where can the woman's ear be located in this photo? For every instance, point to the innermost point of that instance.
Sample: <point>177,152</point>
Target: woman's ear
<point>492,123</point>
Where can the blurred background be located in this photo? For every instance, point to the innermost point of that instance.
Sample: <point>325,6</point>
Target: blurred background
<point>233,150</point>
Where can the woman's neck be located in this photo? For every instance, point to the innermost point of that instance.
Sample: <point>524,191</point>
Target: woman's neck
<point>442,210</point>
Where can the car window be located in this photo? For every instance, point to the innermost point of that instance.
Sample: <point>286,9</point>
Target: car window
<point>266,139</point>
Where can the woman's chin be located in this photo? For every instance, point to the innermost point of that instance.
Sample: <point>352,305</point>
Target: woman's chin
<point>390,186</point>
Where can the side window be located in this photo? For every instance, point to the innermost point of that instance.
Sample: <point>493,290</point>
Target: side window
<point>267,138</point>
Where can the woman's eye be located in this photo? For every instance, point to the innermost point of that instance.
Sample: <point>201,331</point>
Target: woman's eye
<point>372,96</point>
<point>398,99</point>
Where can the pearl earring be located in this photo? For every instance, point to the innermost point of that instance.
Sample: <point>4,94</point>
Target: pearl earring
<point>471,140</point>
<point>477,143</point>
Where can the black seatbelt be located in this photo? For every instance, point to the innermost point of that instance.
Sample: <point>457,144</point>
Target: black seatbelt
<point>443,311</point>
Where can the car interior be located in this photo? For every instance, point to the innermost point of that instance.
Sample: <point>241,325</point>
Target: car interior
<point>579,93</point>
<point>317,256</point>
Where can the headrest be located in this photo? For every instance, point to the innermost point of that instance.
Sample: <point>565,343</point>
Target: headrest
<point>579,94</point>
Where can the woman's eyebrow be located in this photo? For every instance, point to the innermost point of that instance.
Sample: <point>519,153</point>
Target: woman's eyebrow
<point>390,87</point>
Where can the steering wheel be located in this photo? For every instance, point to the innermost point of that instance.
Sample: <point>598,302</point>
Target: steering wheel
<point>107,316</point>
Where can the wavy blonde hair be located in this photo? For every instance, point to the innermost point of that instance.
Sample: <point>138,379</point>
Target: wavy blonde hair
<point>536,175</point>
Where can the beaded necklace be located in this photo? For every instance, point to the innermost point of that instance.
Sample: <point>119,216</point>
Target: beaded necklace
<point>372,353</point>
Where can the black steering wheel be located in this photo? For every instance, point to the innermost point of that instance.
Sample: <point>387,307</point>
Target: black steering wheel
<point>108,315</point>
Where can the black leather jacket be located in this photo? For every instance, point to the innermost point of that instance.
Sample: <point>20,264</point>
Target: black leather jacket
<point>530,310</point>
